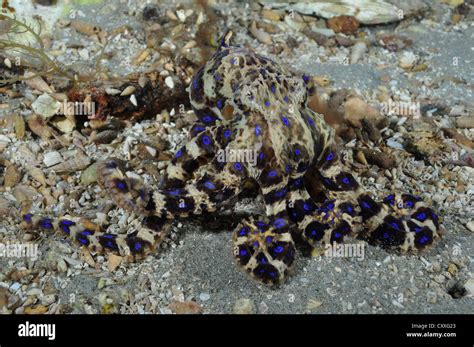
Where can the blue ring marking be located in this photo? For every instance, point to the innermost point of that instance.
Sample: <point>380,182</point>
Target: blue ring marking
<point>287,168</point>
<point>423,240</point>
<point>330,156</point>
<point>199,128</point>
<point>64,224</point>
<point>310,121</point>
<point>279,223</point>
<point>109,244</point>
<point>286,99</point>
<point>206,141</point>
<point>219,104</point>
<point>305,79</point>
<point>238,166</point>
<point>209,185</point>
<point>86,232</point>
<point>395,225</point>
<point>27,217</point>
<point>337,235</point>
<point>272,173</point>
<point>421,216</point>
<point>297,151</point>
<point>386,235</point>
<point>258,130</point>
<point>174,192</point>
<point>196,83</point>
<point>267,103</point>
<point>307,207</point>
<point>269,239</point>
<point>273,88</point>
<point>278,249</point>
<point>365,205</point>
<point>242,252</point>
<point>46,223</point>
<point>261,156</point>
<point>217,77</point>
<point>179,153</point>
<point>285,121</point>
<point>121,185</point>
<point>82,240</point>
<point>409,204</point>
<point>389,199</point>
<point>346,180</point>
<point>207,119</point>
<point>280,193</point>
<point>243,231</point>
<point>137,246</point>
<point>227,133</point>
<point>108,236</point>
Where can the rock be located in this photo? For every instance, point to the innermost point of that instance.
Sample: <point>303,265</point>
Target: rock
<point>45,105</point>
<point>12,176</point>
<point>169,82</point>
<point>52,158</point>
<point>407,60</point>
<point>113,262</point>
<point>465,122</point>
<point>244,306</point>
<point>357,51</point>
<point>185,307</point>
<point>4,295</point>
<point>204,296</point>
<point>343,24</point>
<point>39,309</point>
<point>470,226</point>
<point>469,286</point>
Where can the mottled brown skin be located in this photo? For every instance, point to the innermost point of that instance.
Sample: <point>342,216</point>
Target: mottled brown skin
<point>244,102</point>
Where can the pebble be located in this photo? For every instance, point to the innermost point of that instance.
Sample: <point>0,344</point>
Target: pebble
<point>45,105</point>
<point>244,306</point>
<point>465,122</point>
<point>470,226</point>
<point>52,158</point>
<point>357,51</point>
<point>469,286</point>
<point>204,296</point>
<point>15,286</point>
<point>391,142</point>
<point>169,82</point>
